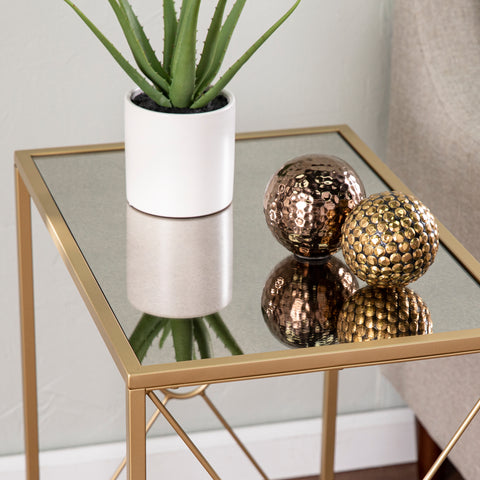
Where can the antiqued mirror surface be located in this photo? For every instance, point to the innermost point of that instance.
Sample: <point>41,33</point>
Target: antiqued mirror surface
<point>174,284</point>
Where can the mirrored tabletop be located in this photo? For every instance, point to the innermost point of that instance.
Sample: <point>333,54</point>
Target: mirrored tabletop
<point>222,287</point>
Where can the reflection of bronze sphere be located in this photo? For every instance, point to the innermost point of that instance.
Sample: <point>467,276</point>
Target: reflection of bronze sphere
<point>372,313</point>
<point>306,203</point>
<point>390,239</point>
<point>301,301</point>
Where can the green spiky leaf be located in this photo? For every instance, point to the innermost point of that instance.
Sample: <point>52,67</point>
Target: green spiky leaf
<point>220,85</point>
<point>179,82</point>
<point>145,332</point>
<point>220,48</point>
<point>139,80</point>
<point>165,333</point>
<point>142,39</point>
<point>184,55</point>
<point>202,338</point>
<point>182,333</point>
<point>223,333</point>
<point>170,23</point>
<point>210,47</point>
<point>139,45</point>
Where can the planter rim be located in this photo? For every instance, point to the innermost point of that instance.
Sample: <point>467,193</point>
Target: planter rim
<point>136,91</point>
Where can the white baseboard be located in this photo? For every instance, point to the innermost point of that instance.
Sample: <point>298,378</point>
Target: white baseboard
<point>283,450</point>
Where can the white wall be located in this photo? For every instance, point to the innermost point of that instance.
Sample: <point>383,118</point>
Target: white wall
<point>328,65</point>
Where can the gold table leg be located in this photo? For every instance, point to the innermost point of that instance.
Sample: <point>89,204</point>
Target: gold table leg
<point>27,325</point>
<point>453,441</point>
<point>330,394</point>
<point>136,435</point>
<point>200,391</point>
<point>150,423</point>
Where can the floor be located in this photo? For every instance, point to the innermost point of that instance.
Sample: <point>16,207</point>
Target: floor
<point>397,472</point>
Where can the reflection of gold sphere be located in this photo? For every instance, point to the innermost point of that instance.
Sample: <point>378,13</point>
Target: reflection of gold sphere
<point>390,239</point>
<point>301,301</point>
<point>306,203</point>
<point>372,313</point>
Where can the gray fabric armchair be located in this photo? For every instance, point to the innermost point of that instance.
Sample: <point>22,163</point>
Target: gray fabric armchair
<point>434,146</point>
<point>434,129</point>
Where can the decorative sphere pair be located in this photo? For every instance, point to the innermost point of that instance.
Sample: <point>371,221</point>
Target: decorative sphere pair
<point>316,204</point>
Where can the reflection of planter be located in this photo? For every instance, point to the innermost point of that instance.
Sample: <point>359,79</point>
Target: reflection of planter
<point>373,313</point>
<point>179,268</point>
<point>301,300</point>
<point>179,164</point>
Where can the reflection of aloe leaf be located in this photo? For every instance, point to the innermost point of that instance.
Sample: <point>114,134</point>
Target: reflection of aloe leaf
<point>146,330</point>
<point>223,333</point>
<point>186,333</point>
<point>202,338</point>
<point>182,333</point>
<point>166,331</point>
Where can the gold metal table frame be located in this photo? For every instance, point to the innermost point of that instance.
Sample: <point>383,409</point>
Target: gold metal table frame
<point>142,381</point>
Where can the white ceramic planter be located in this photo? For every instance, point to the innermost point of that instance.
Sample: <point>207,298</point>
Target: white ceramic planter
<point>179,268</point>
<point>179,165</point>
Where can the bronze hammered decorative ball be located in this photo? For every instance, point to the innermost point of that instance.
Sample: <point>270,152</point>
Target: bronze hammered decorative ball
<point>391,238</point>
<point>301,301</point>
<point>374,313</point>
<point>307,201</point>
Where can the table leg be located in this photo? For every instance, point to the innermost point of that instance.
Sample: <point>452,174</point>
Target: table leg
<point>136,435</point>
<point>330,390</point>
<point>27,325</point>
<point>430,474</point>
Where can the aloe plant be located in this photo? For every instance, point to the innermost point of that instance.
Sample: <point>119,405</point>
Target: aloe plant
<point>177,80</point>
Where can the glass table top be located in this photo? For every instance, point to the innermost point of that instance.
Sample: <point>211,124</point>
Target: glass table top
<point>192,288</point>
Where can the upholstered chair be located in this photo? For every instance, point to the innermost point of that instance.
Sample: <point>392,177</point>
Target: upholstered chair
<point>434,146</point>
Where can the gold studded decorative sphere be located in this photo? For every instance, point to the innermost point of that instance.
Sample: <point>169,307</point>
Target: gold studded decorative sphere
<point>301,301</point>
<point>307,201</point>
<point>374,313</point>
<point>390,238</point>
